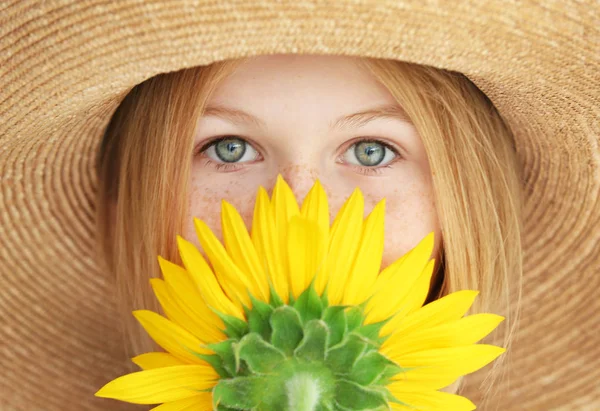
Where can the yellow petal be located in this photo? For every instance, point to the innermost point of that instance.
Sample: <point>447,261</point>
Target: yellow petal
<point>316,208</point>
<point>446,309</point>
<point>201,320</point>
<point>283,202</point>
<point>429,401</point>
<point>200,402</point>
<point>368,260</point>
<point>438,368</point>
<point>411,264</point>
<point>205,279</point>
<point>403,284</point>
<point>306,253</point>
<point>400,304</point>
<point>151,360</point>
<point>416,298</point>
<point>239,246</point>
<point>283,208</point>
<point>343,245</point>
<point>283,199</point>
<point>173,338</point>
<point>161,384</point>
<point>174,312</point>
<point>464,331</point>
<point>266,242</point>
<point>234,282</point>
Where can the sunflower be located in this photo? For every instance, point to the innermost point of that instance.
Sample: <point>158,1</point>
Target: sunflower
<point>296,315</point>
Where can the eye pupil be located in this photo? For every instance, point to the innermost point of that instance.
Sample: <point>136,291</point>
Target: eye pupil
<point>230,150</point>
<point>369,153</point>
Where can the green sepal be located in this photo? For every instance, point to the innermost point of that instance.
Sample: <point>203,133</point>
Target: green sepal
<point>325,298</point>
<point>342,357</point>
<point>309,305</point>
<point>260,356</point>
<point>234,327</point>
<point>390,371</point>
<point>258,318</point>
<point>335,318</point>
<point>371,367</point>
<point>224,351</point>
<point>314,344</point>
<point>216,362</point>
<point>287,329</point>
<point>371,332</point>
<point>392,399</point>
<point>291,299</point>
<point>274,300</point>
<point>304,337</point>
<point>354,397</point>
<point>240,393</point>
<point>354,318</point>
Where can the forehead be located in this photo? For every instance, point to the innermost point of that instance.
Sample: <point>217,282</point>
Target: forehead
<point>285,79</point>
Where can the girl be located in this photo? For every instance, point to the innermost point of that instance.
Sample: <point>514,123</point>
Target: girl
<point>427,140</point>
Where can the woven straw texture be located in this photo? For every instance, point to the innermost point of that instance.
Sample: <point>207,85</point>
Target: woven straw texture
<point>65,65</point>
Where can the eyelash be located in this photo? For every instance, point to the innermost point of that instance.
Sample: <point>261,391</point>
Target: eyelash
<point>370,171</point>
<point>223,167</point>
<point>228,167</point>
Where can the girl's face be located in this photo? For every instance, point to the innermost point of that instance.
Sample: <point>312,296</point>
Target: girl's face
<point>306,118</point>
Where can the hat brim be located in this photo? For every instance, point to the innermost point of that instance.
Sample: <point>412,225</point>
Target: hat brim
<point>64,68</point>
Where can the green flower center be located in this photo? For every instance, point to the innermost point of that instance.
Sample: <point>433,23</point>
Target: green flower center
<point>301,356</point>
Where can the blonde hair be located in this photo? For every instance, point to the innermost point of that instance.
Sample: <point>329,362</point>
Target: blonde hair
<point>143,182</point>
<point>476,180</point>
<point>477,185</point>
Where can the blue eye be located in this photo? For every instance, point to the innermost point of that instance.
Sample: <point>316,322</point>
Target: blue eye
<point>231,150</point>
<point>369,153</point>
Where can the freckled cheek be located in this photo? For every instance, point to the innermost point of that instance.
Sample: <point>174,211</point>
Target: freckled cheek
<point>410,211</point>
<point>410,216</point>
<point>205,204</point>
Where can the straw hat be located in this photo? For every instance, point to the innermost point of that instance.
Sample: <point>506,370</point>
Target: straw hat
<point>65,66</point>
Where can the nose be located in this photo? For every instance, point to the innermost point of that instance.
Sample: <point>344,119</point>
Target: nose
<point>300,178</point>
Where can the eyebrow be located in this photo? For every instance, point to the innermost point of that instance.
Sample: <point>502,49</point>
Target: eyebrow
<point>362,118</point>
<point>359,119</point>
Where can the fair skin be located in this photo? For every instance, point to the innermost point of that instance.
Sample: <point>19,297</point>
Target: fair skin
<point>292,104</point>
